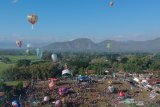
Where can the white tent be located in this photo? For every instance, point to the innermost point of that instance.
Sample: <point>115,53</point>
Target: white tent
<point>136,79</point>
<point>106,71</point>
<point>66,71</point>
<point>111,89</point>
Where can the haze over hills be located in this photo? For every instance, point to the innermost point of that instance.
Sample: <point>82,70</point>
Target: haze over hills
<point>84,44</point>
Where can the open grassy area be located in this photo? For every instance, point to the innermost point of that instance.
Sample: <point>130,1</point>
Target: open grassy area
<point>14,58</point>
<point>14,83</point>
<point>4,66</point>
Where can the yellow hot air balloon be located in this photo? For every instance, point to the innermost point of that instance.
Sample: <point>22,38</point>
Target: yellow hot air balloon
<point>32,18</point>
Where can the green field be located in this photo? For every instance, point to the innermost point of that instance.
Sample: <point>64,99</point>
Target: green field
<point>14,59</point>
<point>4,66</point>
<point>14,83</point>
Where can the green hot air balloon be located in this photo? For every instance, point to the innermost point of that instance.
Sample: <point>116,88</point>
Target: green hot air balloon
<point>39,52</point>
<point>108,45</point>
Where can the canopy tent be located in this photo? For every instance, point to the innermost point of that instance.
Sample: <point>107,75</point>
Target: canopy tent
<point>83,78</point>
<point>106,71</point>
<point>66,72</point>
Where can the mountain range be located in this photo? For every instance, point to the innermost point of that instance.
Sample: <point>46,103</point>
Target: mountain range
<point>85,44</point>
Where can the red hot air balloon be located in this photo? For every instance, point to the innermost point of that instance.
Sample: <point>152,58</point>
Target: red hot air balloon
<point>19,43</point>
<point>32,19</point>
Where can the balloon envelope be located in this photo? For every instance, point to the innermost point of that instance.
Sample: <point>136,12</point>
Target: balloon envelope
<point>108,45</point>
<point>54,57</point>
<point>19,43</point>
<point>39,52</point>
<point>32,18</point>
<point>111,3</point>
<point>28,45</point>
<point>27,51</point>
<point>63,90</point>
<point>51,85</point>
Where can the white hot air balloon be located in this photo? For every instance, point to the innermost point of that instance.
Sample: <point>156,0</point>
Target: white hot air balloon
<point>28,45</point>
<point>111,3</point>
<point>54,57</point>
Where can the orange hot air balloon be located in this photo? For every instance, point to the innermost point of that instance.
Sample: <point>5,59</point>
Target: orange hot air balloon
<point>19,43</point>
<point>32,19</point>
<point>52,83</point>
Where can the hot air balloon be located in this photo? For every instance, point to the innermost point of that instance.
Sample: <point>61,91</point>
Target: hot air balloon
<point>58,103</point>
<point>108,45</point>
<point>19,43</point>
<point>54,57</point>
<point>27,51</point>
<point>121,94</point>
<point>39,52</point>
<point>52,83</point>
<point>32,18</point>
<point>111,3</point>
<point>63,90</point>
<point>46,98</point>
<point>16,103</point>
<point>28,45</point>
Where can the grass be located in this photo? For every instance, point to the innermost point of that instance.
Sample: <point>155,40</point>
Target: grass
<point>4,66</point>
<point>14,83</point>
<point>14,59</point>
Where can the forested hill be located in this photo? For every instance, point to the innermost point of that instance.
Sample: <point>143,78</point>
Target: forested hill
<point>84,44</point>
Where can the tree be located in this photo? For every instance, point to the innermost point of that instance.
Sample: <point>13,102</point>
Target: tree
<point>5,59</point>
<point>23,62</point>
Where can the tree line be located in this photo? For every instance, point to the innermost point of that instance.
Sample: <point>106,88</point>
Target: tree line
<point>78,63</point>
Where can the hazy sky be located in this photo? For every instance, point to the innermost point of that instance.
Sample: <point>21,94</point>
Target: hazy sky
<point>62,20</point>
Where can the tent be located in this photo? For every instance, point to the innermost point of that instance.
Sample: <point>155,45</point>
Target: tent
<point>66,73</point>
<point>83,78</point>
<point>106,71</point>
<point>111,89</point>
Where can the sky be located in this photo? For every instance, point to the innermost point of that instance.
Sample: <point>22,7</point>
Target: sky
<point>63,20</point>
